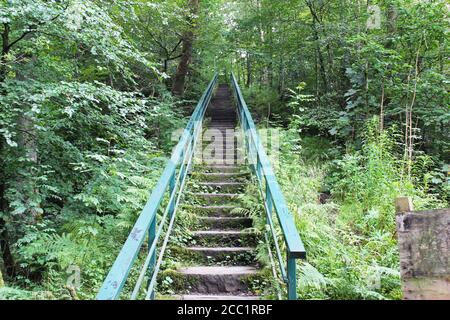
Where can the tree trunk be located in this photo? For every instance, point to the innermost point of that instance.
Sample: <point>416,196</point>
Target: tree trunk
<point>186,55</point>
<point>7,257</point>
<point>5,50</point>
<point>321,61</point>
<point>323,72</point>
<point>249,71</point>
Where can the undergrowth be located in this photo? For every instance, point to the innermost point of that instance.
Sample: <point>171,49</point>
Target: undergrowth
<point>344,211</point>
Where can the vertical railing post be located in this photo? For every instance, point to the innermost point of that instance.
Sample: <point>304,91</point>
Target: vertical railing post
<point>258,167</point>
<point>291,278</point>
<point>268,200</point>
<point>151,239</point>
<point>172,184</point>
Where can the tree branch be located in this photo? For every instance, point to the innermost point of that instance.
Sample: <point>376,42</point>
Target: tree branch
<point>34,28</point>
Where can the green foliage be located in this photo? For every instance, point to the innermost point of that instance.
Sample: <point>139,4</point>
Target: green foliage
<point>85,126</point>
<point>350,238</point>
<point>263,102</point>
<point>86,120</point>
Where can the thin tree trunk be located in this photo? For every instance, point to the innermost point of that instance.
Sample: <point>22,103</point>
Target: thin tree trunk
<point>5,51</point>
<point>186,55</point>
<point>316,20</point>
<point>249,70</point>
<point>382,107</point>
<point>281,81</point>
<point>7,257</point>
<point>321,62</point>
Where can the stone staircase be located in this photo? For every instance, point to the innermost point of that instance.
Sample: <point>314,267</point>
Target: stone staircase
<point>222,242</point>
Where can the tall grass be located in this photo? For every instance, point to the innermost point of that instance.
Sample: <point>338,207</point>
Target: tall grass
<point>350,238</point>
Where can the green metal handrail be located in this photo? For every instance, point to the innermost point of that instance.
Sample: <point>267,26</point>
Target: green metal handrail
<point>171,183</point>
<point>273,197</point>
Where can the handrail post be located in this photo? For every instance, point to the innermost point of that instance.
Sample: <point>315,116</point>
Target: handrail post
<point>151,238</point>
<point>291,278</point>
<point>258,167</point>
<point>269,200</point>
<point>172,184</point>
<point>145,227</point>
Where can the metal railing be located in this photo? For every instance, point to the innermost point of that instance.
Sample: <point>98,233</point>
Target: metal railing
<point>170,186</point>
<point>272,195</point>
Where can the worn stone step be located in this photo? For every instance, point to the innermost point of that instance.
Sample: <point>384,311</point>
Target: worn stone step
<point>227,156</point>
<point>220,238</point>
<point>213,146</point>
<point>214,198</point>
<point>218,280</point>
<point>232,187</point>
<point>210,149</point>
<point>225,132</point>
<point>217,251</point>
<point>220,168</point>
<point>225,223</point>
<point>222,176</point>
<point>193,297</point>
<point>237,161</point>
<point>224,255</point>
<point>224,120</point>
<point>214,256</point>
<point>217,210</point>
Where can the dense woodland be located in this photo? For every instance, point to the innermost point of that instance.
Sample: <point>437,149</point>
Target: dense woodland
<point>91,90</point>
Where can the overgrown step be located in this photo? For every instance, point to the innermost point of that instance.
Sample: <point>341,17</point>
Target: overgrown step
<point>224,255</point>
<point>231,161</point>
<point>220,168</point>
<point>219,238</point>
<point>218,251</point>
<point>231,187</point>
<point>208,255</point>
<point>213,148</point>
<point>217,210</point>
<point>214,198</point>
<point>222,176</point>
<point>225,223</point>
<point>218,280</point>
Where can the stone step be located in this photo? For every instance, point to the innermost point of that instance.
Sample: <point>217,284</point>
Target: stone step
<point>222,126</point>
<point>232,187</point>
<point>222,161</point>
<point>221,143</point>
<point>210,149</point>
<point>214,198</point>
<point>217,211</point>
<point>208,255</point>
<point>224,155</point>
<point>218,280</point>
<point>228,255</point>
<point>220,238</point>
<point>222,176</point>
<point>220,168</point>
<point>237,161</point>
<point>225,223</point>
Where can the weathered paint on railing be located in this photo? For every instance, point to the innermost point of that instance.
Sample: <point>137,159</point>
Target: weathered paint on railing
<point>172,179</point>
<point>273,197</point>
